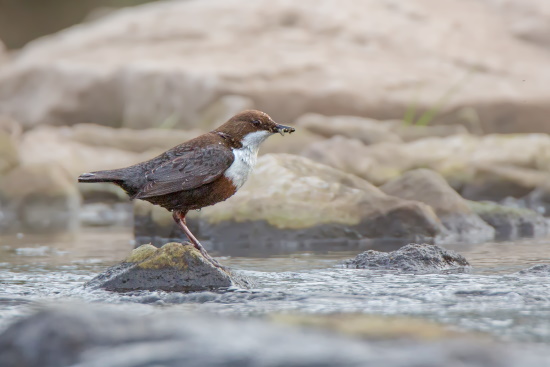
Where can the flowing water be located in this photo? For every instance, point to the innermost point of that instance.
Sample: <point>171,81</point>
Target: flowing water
<point>490,298</point>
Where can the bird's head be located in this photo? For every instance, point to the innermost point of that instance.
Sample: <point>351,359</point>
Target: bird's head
<point>252,127</point>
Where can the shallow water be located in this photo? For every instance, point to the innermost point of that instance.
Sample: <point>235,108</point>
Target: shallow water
<point>490,298</point>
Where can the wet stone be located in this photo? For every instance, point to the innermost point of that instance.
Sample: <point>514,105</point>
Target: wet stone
<point>418,258</point>
<point>511,222</point>
<point>173,267</point>
<point>537,270</point>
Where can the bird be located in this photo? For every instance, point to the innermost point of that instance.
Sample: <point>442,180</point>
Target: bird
<point>198,173</point>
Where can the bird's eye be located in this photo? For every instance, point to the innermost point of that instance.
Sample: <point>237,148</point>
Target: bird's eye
<point>256,122</point>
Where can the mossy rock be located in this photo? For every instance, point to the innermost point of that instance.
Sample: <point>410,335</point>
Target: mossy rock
<point>173,267</point>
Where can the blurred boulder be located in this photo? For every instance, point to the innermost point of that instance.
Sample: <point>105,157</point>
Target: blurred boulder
<point>510,222</point>
<point>495,182</point>
<point>173,267</point>
<point>539,199</point>
<point>164,62</point>
<point>429,187</point>
<point>130,140</point>
<point>416,258</point>
<point>39,198</point>
<point>376,163</point>
<point>413,132</point>
<point>300,139</point>
<point>50,144</point>
<point>375,327</point>
<point>368,131</point>
<point>100,214</point>
<point>463,160</point>
<point>528,20</point>
<point>291,199</point>
<point>223,109</point>
<point>9,154</point>
<point>93,335</point>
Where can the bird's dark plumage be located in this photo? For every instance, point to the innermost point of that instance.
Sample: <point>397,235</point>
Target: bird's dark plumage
<point>200,172</point>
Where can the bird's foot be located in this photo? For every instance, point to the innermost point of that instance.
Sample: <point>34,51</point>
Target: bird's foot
<point>180,219</point>
<point>206,255</point>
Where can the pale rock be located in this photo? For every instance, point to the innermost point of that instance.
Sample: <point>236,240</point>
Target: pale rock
<point>162,63</point>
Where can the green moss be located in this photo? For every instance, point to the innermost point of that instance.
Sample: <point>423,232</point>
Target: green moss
<point>171,255</point>
<point>141,253</point>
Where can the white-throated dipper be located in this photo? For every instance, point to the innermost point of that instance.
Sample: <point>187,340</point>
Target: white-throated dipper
<point>200,172</point>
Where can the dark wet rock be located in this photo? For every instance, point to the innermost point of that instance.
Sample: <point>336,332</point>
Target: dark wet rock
<point>291,198</point>
<point>173,267</point>
<point>538,270</point>
<point>429,187</point>
<point>92,336</point>
<point>537,200</point>
<point>418,258</point>
<point>511,222</point>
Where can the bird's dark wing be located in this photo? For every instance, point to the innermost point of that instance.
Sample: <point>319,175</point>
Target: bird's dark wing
<point>189,170</point>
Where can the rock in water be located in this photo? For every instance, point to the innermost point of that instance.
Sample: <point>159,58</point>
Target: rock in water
<point>418,258</point>
<point>541,270</point>
<point>173,267</point>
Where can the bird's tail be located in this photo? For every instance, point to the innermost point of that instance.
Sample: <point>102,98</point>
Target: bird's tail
<point>101,176</point>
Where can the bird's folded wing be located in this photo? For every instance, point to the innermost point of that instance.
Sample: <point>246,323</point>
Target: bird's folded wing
<point>187,171</point>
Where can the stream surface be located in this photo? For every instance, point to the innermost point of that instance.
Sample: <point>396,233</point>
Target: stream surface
<point>491,298</point>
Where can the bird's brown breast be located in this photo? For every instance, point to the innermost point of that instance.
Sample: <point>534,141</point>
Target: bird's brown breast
<point>200,197</point>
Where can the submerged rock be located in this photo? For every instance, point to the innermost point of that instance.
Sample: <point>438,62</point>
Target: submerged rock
<point>99,336</point>
<point>173,267</point>
<point>418,258</point>
<point>429,187</point>
<point>293,199</point>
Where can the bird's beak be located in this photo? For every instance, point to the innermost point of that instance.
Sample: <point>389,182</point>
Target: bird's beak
<point>282,129</point>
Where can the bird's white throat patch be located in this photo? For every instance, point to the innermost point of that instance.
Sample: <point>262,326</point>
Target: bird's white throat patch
<point>245,157</point>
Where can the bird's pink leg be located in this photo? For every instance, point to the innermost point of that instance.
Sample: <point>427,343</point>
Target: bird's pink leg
<point>179,217</point>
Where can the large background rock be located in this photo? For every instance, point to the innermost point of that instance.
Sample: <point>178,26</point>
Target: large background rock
<point>429,187</point>
<point>38,198</point>
<point>496,164</point>
<point>163,62</point>
<point>290,199</point>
